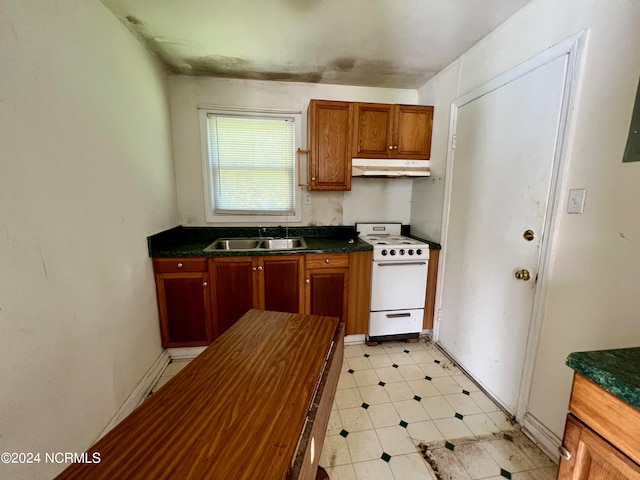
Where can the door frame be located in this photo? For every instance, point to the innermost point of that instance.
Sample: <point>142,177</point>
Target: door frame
<point>573,47</point>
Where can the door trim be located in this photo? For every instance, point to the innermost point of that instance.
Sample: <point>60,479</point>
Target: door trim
<point>573,47</point>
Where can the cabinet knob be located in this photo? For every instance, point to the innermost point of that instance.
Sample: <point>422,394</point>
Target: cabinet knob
<point>253,268</point>
<point>390,147</point>
<point>179,265</point>
<point>307,281</point>
<point>260,268</point>
<point>204,284</point>
<point>326,260</point>
<point>395,147</point>
<point>313,178</point>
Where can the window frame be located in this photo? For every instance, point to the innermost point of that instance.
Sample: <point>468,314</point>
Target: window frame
<point>210,215</point>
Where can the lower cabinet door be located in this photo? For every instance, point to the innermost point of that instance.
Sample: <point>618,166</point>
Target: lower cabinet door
<point>233,291</point>
<point>327,292</point>
<point>280,279</point>
<point>589,457</point>
<point>183,303</point>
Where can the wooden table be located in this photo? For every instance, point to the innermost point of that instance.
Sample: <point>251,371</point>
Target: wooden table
<point>254,405</point>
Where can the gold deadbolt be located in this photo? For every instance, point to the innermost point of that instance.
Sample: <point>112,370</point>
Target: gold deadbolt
<point>528,235</point>
<point>523,274</point>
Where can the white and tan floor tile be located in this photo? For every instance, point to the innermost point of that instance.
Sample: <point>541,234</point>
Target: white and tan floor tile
<point>404,410</point>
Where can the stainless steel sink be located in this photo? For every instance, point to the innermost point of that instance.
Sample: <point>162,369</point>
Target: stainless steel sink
<point>256,244</point>
<point>283,243</point>
<point>234,244</point>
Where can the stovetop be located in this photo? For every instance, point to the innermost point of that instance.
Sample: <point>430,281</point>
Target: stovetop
<point>389,245</point>
<point>393,240</point>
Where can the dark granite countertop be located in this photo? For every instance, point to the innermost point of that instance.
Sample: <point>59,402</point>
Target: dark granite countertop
<point>617,371</point>
<point>191,241</point>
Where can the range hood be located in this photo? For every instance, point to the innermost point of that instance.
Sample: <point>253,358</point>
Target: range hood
<point>375,167</point>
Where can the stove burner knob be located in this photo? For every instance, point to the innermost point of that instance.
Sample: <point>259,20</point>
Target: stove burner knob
<point>384,253</point>
<point>402,251</point>
<point>410,251</point>
<point>392,252</point>
<point>419,251</point>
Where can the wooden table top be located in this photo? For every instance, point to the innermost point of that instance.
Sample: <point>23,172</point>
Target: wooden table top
<point>235,412</point>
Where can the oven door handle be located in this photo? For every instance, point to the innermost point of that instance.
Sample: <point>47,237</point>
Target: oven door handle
<point>397,315</point>
<point>400,264</point>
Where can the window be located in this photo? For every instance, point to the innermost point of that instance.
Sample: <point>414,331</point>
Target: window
<point>249,165</point>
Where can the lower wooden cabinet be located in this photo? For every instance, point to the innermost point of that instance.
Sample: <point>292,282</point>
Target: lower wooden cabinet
<point>182,288</point>
<point>239,284</point>
<point>233,290</point>
<point>360,267</point>
<point>601,436</point>
<point>327,285</point>
<point>591,457</point>
<point>200,298</point>
<point>430,296</point>
<point>280,284</point>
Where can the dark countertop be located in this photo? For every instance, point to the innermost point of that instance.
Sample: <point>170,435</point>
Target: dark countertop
<point>617,371</point>
<point>191,241</point>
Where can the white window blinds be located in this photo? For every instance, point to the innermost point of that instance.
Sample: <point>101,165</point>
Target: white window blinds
<point>252,164</point>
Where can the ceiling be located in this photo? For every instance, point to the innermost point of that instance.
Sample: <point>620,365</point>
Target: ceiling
<point>378,43</point>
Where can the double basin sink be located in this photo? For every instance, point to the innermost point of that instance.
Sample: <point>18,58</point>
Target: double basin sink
<point>257,244</point>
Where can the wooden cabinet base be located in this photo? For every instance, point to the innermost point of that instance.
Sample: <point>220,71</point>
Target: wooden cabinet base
<point>601,436</point>
<point>254,405</point>
<point>592,458</point>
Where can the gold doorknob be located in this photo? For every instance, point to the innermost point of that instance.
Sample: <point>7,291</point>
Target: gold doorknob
<point>523,274</point>
<point>528,235</point>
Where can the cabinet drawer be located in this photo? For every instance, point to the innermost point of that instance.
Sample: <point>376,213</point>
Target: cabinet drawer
<point>177,265</point>
<point>327,261</point>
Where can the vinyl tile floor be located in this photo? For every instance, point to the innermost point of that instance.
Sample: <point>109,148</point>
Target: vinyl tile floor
<point>403,411</point>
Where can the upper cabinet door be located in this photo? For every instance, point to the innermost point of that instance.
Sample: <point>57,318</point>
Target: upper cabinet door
<point>413,132</point>
<point>392,131</point>
<point>373,135</point>
<point>330,130</point>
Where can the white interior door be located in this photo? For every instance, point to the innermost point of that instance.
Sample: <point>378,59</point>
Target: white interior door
<point>501,175</point>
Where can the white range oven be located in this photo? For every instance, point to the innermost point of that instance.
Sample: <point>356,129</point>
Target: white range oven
<point>398,283</point>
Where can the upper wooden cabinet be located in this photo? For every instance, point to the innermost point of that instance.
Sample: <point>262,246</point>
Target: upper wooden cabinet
<point>392,131</point>
<point>330,132</point>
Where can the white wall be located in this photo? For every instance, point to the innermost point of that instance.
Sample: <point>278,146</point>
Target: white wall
<point>593,300</point>
<point>187,93</point>
<point>85,175</point>
<point>428,193</point>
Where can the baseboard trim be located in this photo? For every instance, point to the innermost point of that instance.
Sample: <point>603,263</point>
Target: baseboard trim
<point>354,339</point>
<point>542,436</point>
<point>140,392</point>
<point>179,353</point>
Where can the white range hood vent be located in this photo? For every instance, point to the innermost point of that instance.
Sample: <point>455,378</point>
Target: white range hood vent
<point>375,167</point>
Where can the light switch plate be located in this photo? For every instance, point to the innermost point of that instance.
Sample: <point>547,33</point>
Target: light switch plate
<point>576,200</point>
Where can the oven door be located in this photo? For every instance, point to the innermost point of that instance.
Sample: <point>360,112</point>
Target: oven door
<point>398,285</point>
